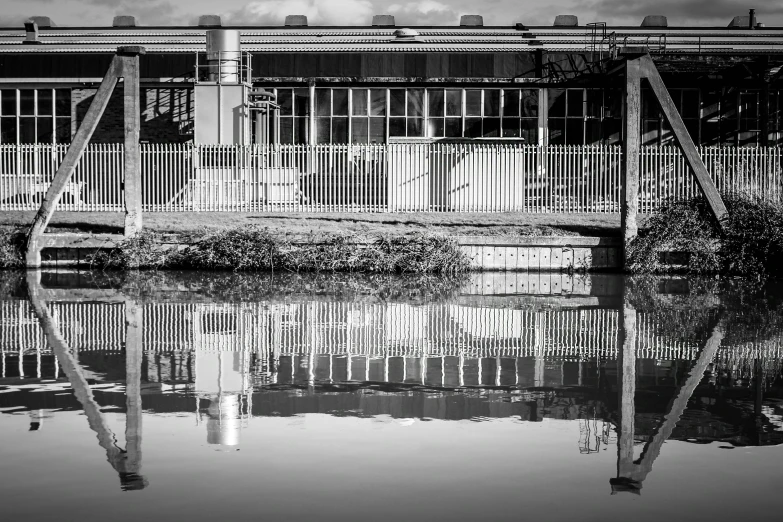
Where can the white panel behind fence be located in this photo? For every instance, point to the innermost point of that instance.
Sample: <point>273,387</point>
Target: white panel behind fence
<point>477,176</point>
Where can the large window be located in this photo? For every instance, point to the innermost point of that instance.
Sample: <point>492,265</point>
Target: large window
<point>35,116</point>
<point>656,130</point>
<point>379,113</point>
<point>294,108</point>
<point>584,116</point>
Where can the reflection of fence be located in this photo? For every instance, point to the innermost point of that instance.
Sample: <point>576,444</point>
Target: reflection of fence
<point>362,329</point>
<point>480,176</point>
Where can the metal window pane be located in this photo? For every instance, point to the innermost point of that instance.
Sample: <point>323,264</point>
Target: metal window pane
<point>285,98</point>
<point>435,128</point>
<point>301,130</point>
<point>492,102</point>
<point>529,130</point>
<point>45,130</point>
<point>27,102</point>
<point>377,130</point>
<point>491,127</point>
<point>473,128</point>
<point>323,131</point>
<point>340,102</point>
<point>286,130</point>
<point>511,103</point>
<point>323,102</point>
<point>595,102</point>
<point>435,103</point>
<point>45,101</point>
<point>453,128</point>
<point>359,102</point>
<point>396,127</point>
<point>557,131</point>
<point>574,132</point>
<point>8,130</point>
<point>415,127</point>
<point>301,102</point>
<point>576,106</point>
<point>473,103</point>
<point>27,130</point>
<point>415,103</point>
<point>454,102</point>
<point>529,104</point>
<point>397,102</point>
<point>377,102</point>
<point>510,127</point>
<point>339,130</point>
<point>359,128</point>
<point>8,102</point>
<point>62,102</point>
<point>556,100</point>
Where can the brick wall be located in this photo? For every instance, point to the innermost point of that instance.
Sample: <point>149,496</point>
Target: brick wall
<point>166,115</point>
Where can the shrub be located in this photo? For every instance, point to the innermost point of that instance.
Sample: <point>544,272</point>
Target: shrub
<point>141,251</point>
<point>256,249</point>
<point>11,248</point>
<point>751,244</point>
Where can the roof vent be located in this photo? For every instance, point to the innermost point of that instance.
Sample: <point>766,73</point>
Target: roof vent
<point>31,28</point>
<point>209,21</point>
<point>124,21</point>
<point>655,21</point>
<point>405,35</point>
<point>566,21</point>
<point>383,21</point>
<point>296,21</point>
<point>471,21</point>
<point>740,22</point>
<point>42,21</point>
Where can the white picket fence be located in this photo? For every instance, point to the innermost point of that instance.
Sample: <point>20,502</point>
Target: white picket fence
<point>399,177</point>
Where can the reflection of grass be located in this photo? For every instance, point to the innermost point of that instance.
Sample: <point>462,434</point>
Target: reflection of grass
<point>257,249</point>
<point>251,287</point>
<point>750,312</point>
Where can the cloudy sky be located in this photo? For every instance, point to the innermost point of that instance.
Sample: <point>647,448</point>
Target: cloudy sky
<point>359,12</point>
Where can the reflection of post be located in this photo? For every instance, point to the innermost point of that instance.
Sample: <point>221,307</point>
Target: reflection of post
<point>630,473</point>
<point>133,360</point>
<point>626,377</point>
<point>81,389</point>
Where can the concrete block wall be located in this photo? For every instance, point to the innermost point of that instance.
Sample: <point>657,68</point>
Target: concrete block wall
<point>166,115</point>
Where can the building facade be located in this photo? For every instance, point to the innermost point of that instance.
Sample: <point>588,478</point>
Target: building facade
<point>382,83</point>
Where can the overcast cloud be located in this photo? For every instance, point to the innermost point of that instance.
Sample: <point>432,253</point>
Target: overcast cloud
<point>359,12</point>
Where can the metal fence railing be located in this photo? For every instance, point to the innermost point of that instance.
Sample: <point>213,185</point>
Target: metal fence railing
<point>398,177</point>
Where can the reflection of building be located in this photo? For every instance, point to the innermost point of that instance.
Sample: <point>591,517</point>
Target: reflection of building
<point>222,365</point>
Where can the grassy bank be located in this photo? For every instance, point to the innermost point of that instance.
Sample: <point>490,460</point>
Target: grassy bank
<point>750,245</point>
<point>258,249</point>
<point>198,224</point>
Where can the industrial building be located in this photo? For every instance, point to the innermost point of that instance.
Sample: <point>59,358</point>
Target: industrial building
<point>380,83</point>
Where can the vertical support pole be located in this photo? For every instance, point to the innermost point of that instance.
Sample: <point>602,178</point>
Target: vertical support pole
<point>134,329</point>
<point>629,206</point>
<point>132,123</point>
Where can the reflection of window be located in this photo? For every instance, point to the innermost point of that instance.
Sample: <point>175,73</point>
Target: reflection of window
<point>584,116</point>
<point>294,124</point>
<point>35,115</point>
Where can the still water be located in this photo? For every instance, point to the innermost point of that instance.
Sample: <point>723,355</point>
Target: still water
<point>191,396</point>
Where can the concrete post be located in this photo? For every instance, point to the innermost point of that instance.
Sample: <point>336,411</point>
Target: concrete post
<point>132,124</point>
<point>629,205</point>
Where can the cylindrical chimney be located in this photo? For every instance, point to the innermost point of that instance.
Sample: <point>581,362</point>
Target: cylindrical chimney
<point>752,19</point>
<point>223,55</point>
